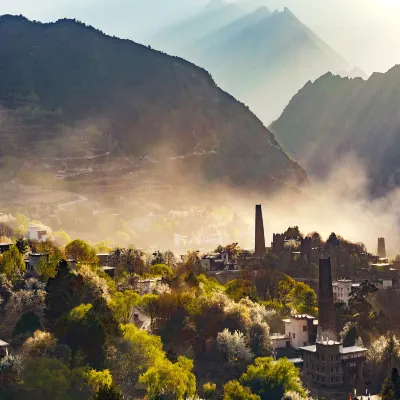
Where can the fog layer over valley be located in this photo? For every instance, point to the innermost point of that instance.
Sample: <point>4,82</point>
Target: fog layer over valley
<point>135,147</point>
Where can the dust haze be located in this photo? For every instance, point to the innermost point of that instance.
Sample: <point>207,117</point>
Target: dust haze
<point>161,200</point>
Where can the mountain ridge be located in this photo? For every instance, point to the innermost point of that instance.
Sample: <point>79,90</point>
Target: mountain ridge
<point>66,75</point>
<point>263,58</point>
<point>335,116</point>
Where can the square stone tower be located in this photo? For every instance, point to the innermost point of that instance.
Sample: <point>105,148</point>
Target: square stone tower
<point>259,237</point>
<point>326,313</point>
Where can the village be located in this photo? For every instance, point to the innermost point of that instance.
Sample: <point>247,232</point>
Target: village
<point>311,342</point>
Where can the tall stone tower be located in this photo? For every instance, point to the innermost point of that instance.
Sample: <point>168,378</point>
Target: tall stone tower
<point>381,248</point>
<point>260,238</point>
<point>326,313</point>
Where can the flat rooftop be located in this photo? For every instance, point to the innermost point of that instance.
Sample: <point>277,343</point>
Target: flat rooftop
<point>342,350</point>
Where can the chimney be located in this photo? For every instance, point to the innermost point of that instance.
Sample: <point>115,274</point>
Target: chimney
<point>260,238</point>
<point>326,313</point>
<point>381,248</point>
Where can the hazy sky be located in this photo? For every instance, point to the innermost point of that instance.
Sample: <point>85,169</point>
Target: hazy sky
<point>365,32</point>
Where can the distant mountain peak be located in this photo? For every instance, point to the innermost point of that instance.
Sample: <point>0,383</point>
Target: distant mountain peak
<point>213,4</point>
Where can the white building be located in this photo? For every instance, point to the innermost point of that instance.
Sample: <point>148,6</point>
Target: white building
<point>342,290</point>
<point>300,330</point>
<point>385,283</point>
<point>37,233</point>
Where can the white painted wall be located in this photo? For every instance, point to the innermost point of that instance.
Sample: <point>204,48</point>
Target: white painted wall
<point>297,330</point>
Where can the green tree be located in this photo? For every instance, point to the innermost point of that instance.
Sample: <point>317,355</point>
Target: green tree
<point>388,390</point>
<point>122,305</point>
<point>170,381</point>
<point>210,391</point>
<point>285,289</point>
<point>12,264</point>
<point>80,251</point>
<point>132,355</point>
<point>240,288</point>
<point>22,245</point>
<point>293,233</point>
<point>233,390</point>
<point>150,306</point>
<point>108,393</point>
<point>161,270</point>
<point>304,299</point>
<point>47,379</point>
<point>359,303</point>
<point>88,329</point>
<point>270,380</point>
<point>28,323</point>
<point>61,237</point>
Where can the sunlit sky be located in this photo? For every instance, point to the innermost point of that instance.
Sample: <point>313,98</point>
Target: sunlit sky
<point>365,32</point>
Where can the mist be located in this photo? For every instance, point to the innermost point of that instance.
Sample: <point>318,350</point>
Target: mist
<point>365,32</point>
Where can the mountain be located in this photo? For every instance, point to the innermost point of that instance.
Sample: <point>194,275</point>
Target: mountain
<point>334,116</point>
<point>262,58</point>
<point>71,94</point>
<point>179,35</point>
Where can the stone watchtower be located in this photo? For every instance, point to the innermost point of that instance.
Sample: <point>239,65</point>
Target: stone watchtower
<point>381,248</point>
<point>306,250</point>
<point>259,236</point>
<point>326,314</point>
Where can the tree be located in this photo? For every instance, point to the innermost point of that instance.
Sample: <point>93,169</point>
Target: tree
<point>161,270</point>
<point>61,237</point>
<point>293,233</point>
<point>285,289</point>
<point>304,299</point>
<point>47,379</point>
<point>12,264</point>
<point>22,245</point>
<point>169,258</point>
<point>127,260</point>
<point>270,380</point>
<point>28,323</point>
<point>388,390</point>
<point>122,305</point>
<point>88,329</point>
<point>108,393</point>
<point>80,251</point>
<point>240,288</point>
<point>359,304</point>
<point>233,346</point>
<point>210,391</point>
<point>233,390</point>
<point>350,336</point>
<point>170,381</point>
<point>150,306</point>
<point>132,355</point>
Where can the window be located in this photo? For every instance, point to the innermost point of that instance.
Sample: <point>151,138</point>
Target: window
<point>294,336</point>
<point>337,379</point>
<point>306,364</point>
<point>304,343</point>
<point>331,370</point>
<point>322,358</point>
<point>331,380</point>
<point>305,328</point>
<point>317,368</point>
<point>323,369</point>
<point>323,379</point>
<point>337,358</point>
<point>337,369</point>
<point>317,378</point>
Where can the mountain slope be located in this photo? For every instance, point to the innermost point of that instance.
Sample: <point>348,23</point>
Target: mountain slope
<point>334,116</point>
<point>215,15</point>
<point>262,58</point>
<point>77,91</point>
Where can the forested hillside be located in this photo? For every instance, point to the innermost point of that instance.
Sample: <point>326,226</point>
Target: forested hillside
<point>138,102</point>
<point>335,116</point>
